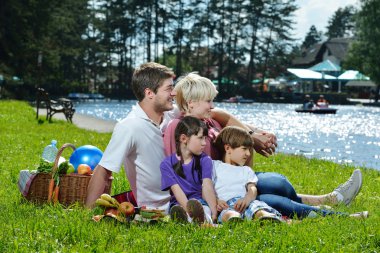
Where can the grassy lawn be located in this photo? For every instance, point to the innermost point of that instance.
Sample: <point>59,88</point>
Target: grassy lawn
<point>30,228</point>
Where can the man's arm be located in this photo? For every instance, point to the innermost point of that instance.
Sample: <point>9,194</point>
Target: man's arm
<point>97,185</point>
<point>265,143</point>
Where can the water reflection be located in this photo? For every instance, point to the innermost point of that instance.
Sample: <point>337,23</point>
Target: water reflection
<point>350,136</point>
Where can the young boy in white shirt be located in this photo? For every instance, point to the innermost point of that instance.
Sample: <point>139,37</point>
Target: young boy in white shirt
<point>235,184</point>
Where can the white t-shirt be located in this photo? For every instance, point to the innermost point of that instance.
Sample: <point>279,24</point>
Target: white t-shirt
<point>138,142</point>
<point>230,181</point>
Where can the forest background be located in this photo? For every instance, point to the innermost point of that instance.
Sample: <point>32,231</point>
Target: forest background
<point>94,45</point>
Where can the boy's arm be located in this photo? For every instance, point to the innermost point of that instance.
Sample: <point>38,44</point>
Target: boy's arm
<point>179,195</point>
<point>251,195</point>
<point>208,194</point>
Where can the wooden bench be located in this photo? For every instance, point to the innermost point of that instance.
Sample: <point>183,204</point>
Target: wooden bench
<point>62,105</point>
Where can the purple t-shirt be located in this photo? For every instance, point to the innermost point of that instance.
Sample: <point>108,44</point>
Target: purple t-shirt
<point>192,185</point>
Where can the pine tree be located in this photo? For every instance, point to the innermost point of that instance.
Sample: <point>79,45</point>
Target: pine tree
<point>342,23</point>
<point>312,37</point>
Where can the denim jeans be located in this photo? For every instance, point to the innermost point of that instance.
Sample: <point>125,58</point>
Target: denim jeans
<point>276,190</point>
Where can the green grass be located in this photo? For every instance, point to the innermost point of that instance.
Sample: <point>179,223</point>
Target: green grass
<point>29,228</point>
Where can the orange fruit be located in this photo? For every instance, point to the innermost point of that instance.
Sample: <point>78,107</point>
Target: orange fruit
<point>84,169</point>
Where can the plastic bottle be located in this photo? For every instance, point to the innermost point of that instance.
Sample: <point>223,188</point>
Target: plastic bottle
<point>50,151</point>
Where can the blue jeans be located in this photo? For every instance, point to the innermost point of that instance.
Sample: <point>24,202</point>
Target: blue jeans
<point>276,190</point>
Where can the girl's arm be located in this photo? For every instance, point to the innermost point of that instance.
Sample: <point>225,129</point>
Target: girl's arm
<point>251,195</point>
<point>179,195</point>
<point>208,194</point>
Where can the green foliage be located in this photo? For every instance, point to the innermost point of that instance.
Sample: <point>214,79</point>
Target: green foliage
<point>84,46</point>
<point>47,228</point>
<point>312,37</point>
<point>44,166</point>
<point>342,23</point>
<point>363,53</point>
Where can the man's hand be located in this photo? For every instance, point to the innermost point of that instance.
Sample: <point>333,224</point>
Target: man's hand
<point>264,143</point>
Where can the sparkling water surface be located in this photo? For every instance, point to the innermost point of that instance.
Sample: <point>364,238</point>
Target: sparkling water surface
<point>351,136</point>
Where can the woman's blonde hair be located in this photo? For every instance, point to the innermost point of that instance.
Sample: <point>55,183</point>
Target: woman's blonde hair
<point>193,87</point>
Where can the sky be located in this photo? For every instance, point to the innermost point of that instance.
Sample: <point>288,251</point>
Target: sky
<point>317,13</point>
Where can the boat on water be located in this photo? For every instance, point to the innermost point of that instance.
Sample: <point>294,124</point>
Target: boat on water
<point>238,99</point>
<point>317,110</point>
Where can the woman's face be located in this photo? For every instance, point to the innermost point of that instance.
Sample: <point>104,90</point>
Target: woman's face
<point>200,109</point>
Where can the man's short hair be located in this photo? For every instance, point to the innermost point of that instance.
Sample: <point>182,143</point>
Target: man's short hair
<point>149,75</point>
<point>193,87</point>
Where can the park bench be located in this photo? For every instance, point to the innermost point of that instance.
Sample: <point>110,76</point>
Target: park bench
<point>61,105</point>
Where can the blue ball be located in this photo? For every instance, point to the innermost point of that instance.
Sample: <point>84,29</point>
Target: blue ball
<point>86,154</point>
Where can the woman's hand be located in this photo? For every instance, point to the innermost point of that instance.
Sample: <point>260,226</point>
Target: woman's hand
<point>265,143</point>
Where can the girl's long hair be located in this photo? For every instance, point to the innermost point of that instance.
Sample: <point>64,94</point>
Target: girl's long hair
<point>188,126</point>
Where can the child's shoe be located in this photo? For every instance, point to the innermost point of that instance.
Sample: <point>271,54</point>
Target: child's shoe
<point>195,210</point>
<point>178,214</point>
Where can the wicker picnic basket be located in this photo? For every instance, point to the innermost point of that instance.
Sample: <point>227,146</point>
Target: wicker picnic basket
<point>72,187</point>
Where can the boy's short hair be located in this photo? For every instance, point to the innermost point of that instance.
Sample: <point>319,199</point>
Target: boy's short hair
<point>193,87</point>
<point>233,136</point>
<point>149,75</point>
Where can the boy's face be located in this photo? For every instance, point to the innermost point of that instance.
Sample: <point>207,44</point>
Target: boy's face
<point>238,156</point>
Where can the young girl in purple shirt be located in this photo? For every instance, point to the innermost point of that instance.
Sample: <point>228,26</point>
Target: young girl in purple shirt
<point>188,175</point>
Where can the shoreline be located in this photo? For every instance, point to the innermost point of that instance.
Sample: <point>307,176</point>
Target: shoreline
<point>85,121</point>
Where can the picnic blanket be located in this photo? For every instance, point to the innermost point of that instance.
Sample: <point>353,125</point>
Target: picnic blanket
<point>25,180</point>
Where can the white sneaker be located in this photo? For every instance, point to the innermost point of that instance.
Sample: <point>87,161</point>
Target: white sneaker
<point>346,192</point>
<point>363,215</point>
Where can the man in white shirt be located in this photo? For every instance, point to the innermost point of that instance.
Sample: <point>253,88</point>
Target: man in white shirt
<point>137,140</point>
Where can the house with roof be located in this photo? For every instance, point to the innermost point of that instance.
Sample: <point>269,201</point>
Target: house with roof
<point>326,58</point>
<point>334,50</point>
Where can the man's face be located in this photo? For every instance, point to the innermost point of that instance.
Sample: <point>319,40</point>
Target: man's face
<point>163,100</point>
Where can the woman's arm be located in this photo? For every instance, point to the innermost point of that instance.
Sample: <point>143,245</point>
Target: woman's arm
<point>179,195</point>
<point>265,143</point>
<point>208,194</point>
<point>169,141</point>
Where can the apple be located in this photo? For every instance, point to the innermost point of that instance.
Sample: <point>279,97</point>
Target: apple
<point>84,169</point>
<point>70,169</point>
<point>127,208</point>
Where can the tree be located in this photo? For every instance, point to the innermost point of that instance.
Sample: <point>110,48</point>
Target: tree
<point>363,54</point>
<point>342,23</point>
<point>312,37</point>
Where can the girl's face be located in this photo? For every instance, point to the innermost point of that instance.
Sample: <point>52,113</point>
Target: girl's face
<point>201,109</point>
<point>195,144</point>
<point>238,156</point>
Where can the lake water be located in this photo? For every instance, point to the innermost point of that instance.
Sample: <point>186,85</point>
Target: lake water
<point>351,136</point>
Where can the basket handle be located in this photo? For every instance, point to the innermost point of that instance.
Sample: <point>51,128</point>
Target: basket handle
<point>59,153</point>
